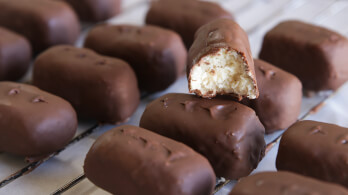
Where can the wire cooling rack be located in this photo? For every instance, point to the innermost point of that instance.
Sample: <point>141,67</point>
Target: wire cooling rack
<point>62,170</point>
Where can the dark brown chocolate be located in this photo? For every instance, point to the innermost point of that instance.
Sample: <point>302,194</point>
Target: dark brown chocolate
<point>95,10</point>
<point>33,122</point>
<point>316,55</point>
<point>184,16</point>
<point>15,55</point>
<point>284,183</point>
<point>157,56</point>
<point>315,149</point>
<point>130,160</point>
<point>99,87</point>
<point>279,103</point>
<point>44,23</point>
<point>227,133</point>
<point>220,61</point>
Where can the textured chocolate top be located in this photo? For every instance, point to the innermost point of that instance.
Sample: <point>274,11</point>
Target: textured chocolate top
<point>33,122</point>
<point>229,134</point>
<point>129,160</point>
<point>157,55</point>
<point>95,10</point>
<point>97,86</point>
<point>284,183</point>
<point>15,55</point>
<point>184,16</point>
<point>279,103</point>
<point>315,149</point>
<point>44,23</point>
<point>316,55</point>
<point>221,33</point>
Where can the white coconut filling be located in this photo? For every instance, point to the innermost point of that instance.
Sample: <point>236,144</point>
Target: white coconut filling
<point>224,71</point>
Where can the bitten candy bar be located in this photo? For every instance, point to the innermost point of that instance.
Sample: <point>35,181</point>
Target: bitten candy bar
<point>317,56</point>
<point>315,149</point>
<point>220,62</point>
<point>97,86</point>
<point>279,103</point>
<point>157,55</point>
<point>183,16</point>
<point>44,23</point>
<point>284,183</point>
<point>33,122</point>
<point>129,160</point>
<point>15,55</point>
<point>227,133</point>
<point>95,10</point>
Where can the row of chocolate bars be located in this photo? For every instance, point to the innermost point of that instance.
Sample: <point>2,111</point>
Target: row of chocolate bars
<point>237,98</point>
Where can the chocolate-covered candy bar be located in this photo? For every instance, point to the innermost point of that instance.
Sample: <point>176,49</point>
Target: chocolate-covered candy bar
<point>279,103</point>
<point>220,62</point>
<point>95,10</point>
<point>284,183</point>
<point>157,56</point>
<point>316,55</point>
<point>33,122</point>
<point>184,17</point>
<point>227,133</point>
<point>44,23</point>
<point>15,55</point>
<point>315,149</point>
<point>130,160</point>
<point>97,86</point>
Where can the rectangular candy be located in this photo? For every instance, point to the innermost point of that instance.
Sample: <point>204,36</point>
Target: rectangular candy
<point>130,160</point>
<point>184,16</point>
<point>279,102</point>
<point>220,62</point>
<point>158,56</point>
<point>315,149</point>
<point>43,22</point>
<point>227,133</point>
<point>284,183</point>
<point>98,87</point>
<point>316,55</point>
<point>15,55</point>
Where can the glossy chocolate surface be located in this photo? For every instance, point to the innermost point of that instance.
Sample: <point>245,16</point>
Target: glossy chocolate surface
<point>227,133</point>
<point>157,55</point>
<point>129,160</point>
<point>97,86</point>
<point>316,55</point>
<point>315,149</point>
<point>15,55</point>
<point>279,103</point>
<point>33,122</point>
<point>43,22</point>
<point>184,16</point>
<point>284,183</point>
<point>95,10</point>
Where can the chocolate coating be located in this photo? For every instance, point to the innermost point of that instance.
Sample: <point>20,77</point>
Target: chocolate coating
<point>130,160</point>
<point>97,86</point>
<point>33,122</point>
<point>184,16</point>
<point>221,33</point>
<point>316,55</point>
<point>284,183</point>
<point>315,149</point>
<point>44,23</point>
<point>279,103</point>
<point>15,55</point>
<point>157,56</point>
<point>227,133</point>
<point>95,10</point>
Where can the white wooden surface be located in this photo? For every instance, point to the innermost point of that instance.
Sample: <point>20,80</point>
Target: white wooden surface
<point>256,17</point>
